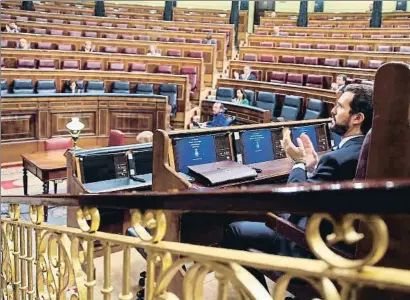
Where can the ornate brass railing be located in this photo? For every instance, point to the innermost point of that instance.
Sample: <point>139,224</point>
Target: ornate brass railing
<point>43,261</point>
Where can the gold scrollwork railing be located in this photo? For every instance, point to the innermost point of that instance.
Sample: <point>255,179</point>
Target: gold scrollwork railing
<point>43,261</point>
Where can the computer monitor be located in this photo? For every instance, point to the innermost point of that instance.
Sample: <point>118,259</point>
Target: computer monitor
<point>143,161</point>
<point>102,167</point>
<point>317,134</point>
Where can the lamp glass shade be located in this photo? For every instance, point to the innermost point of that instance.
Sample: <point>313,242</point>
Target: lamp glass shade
<point>75,124</point>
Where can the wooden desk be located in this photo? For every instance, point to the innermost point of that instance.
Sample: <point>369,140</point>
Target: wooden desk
<point>47,166</point>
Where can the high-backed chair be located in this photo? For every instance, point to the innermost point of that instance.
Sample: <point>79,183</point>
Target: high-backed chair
<point>136,67</point>
<point>287,59</point>
<point>46,64</point>
<point>225,94</point>
<point>116,66</point>
<point>285,45</point>
<point>374,64</point>
<point>59,143</point>
<point>310,60</point>
<point>362,48</point>
<point>26,63</point>
<point>65,47</point>
<point>44,46</point>
<point>267,100</point>
<point>250,95</point>
<point>39,31</point>
<point>192,75</point>
<point>267,58</point>
<point>92,65</point>
<point>116,138</point>
<point>332,62</point>
<point>341,47</point>
<point>315,109</point>
<point>278,77</point>
<point>316,81</point>
<point>170,90</point>
<point>128,50</point>
<point>70,65</point>
<point>295,79</point>
<point>110,49</point>
<point>120,87</point>
<point>174,52</point>
<point>56,32</point>
<point>404,49</point>
<point>323,46</point>
<point>304,46</point>
<point>46,86</point>
<point>95,87</point>
<point>354,63</point>
<point>145,88</point>
<point>164,69</point>
<point>196,54</point>
<point>127,37</point>
<point>292,108</point>
<point>90,34</point>
<point>250,57</point>
<point>23,86</point>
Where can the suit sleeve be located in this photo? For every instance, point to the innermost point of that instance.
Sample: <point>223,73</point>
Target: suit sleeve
<point>325,171</point>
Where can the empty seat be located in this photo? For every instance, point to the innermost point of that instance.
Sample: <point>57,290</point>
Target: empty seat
<point>250,57</point>
<point>21,19</point>
<point>263,33</point>
<point>267,58</point>
<point>73,22</point>
<point>110,49</point>
<point>4,88</point>
<point>292,108</point>
<point>359,26</point>
<point>192,75</point>
<point>46,87</point>
<point>315,109</point>
<point>64,47</point>
<point>316,81</point>
<point>26,63</point>
<point>172,28</point>
<point>354,63</point>
<point>121,25</point>
<point>177,40</point>
<point>266,44</point>
<point>207,30</point>
<point>300,34</point>
<point>130,50</point>
<point>23,86</point>
<point>70,65</point>
<point>74,33</point>
<point>267,100</point>
<point>310,61</point>
<point>145,88</point>
<point>57,21</point>
<point>111,36</point>
<point>95,87</point>
<point>287,59</point>
<point>285,45</point>
<point>163,39</point>
<point>121,87</point>
<point>143,38</point>
<point>56,32</point>
<point>115,66</point>
<point>332,62</point>
<point>106,24</point>
<point>341,47</point>
<point>278,77</point>
<point>362,48</point>
<point>170,90</point>
<point>194,41</point>
<point>377,36</point>
<point>92,65</point>
<point>384,48</point>
<point>90,23</point>
<point>4,43</point>
<point>374,64</point>
<point>188,29</point>
<point>91,34</point>
<point>304,46</point>
<point>295,79</point>
<point>164,69</point>
<point>47,64</point>
<point>153,27</point>
<point>39,30</point>
<point>174,52</point>
<point>318,34</point>
<point>196,54</point>
<point>127,37</point>
<point>323,46</point>
<point>135,67</point>
<point>356,36</point>
<point>397,36</point>
<point>225,94</point>
<point>44,45</point>
<point>404,49</point>
<point>338,35</point>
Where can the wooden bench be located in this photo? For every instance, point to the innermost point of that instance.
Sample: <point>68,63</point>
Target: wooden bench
<point>184,106</point>
<point>29,120</point>
<point>265,21</point>
<point>106,60</point>
<point>265,69</point>
<point>343,56</point>
<point>328,32</point>
<point>281,90</point>
<point>244,114</point>
<point>256,40</point>
<point>346,15</point>
<point>142,48</point>
<point>227,29</point>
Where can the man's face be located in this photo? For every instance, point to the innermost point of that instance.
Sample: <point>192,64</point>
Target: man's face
<point>276,30</point>
<point>13,26</point>
<point>341,117</point>
<point>23,43</point>
<point>246,70</point>
<point>340,81</point>
<point>88,46</point>
<point>216,108</point>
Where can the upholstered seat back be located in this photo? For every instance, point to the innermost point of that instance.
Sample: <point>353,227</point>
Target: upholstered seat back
<point>278,77</point>
<point>4,88</point>
<point>315,109</point>
<point>23,86</point>
<point>192,74</point>
<point>135,67</point>
<point>170,90</point>
<point>361,169</point>
<point>250,95</point>
<point>225,94</point>
<point>46,64</point>
<point>95,86</point>
<point>122,87</point>
<point>145,88</point>
<point>116,138</point>
<point>292,107</point>
<point>267,100</point>
<point>164,69</point>
<point>316,81</point>
<point>46,87</point>
<point>58,144</point>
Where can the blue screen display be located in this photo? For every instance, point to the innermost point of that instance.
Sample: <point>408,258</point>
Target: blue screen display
<point>310,131</point>
<point>194,151</point>
<point>257,146</point>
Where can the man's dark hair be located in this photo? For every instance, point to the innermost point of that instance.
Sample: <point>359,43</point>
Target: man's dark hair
<point>362,103</point>
<point>344,77</point>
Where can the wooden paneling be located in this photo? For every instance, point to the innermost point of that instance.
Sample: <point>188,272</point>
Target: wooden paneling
<point>364,56</point>
<point>61,76</point>
<point>130,115</point>
<point>255,40</point>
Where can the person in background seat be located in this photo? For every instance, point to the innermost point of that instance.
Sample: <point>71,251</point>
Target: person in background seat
<point>340,84</point>
<point>23,44</point>
<point>273,15</point>
<point>207,40</point>
<point>88,46</point>
<point>13,28</point>
<point>145,137</point>
<point>219,119</point>
<point>247,74</point>
<point>153,51</point>
<point>73,87</point>
<point>240,97</point>
<point>195,122</point>
<point>276,31</point>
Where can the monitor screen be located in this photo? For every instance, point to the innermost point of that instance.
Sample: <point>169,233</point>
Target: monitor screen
<point>143,161</point>
<point>257,146</point>
<point>98,168</point>
<point>192,151</point>
<point>310,131</point>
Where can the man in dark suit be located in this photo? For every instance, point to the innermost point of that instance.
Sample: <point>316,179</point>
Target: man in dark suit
<point>247,74</point>
<point>351,118</point>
